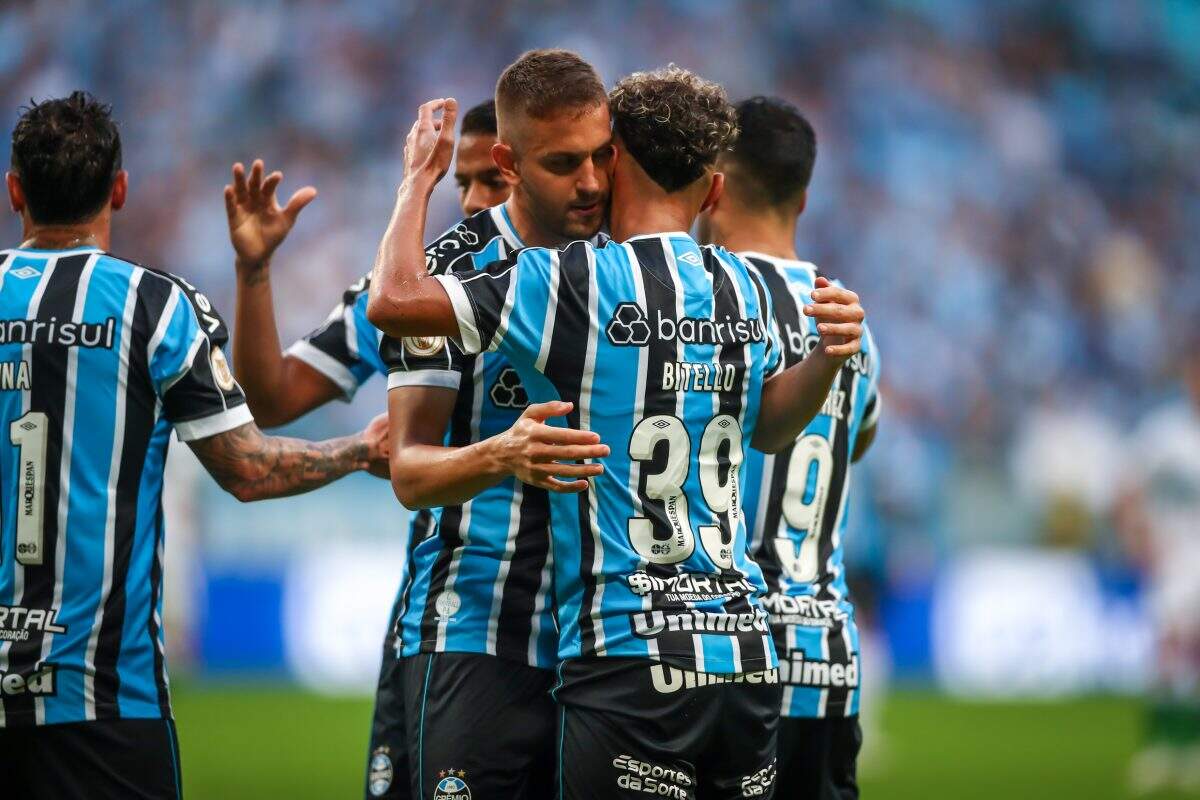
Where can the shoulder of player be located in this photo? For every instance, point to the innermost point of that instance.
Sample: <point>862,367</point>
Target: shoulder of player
<point>466,237</point>
<point>202,307</point>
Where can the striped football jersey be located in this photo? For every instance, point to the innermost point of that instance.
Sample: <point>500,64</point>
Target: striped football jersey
<point>796,512</point>
<point>99,360</point>
<point>480,571</point>
<point>663,347</point>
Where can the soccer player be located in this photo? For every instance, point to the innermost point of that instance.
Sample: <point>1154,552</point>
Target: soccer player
<point>471,654</point>
<point>795,500</point>
<point>667,684</point>
<point>100,359</point>
<point>1160,519</point>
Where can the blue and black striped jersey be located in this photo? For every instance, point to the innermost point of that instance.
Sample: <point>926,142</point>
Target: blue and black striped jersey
<point>663,347</point>
<point>796,513</point>
<point>99,360</point>
<point>477,576</point>
<point>480,571</point>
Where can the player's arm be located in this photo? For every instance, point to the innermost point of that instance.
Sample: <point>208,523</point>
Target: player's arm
<point>791,399</point>
<point>426,474</point>
<point>863,442</point>
<point>279,387</point>
<point>405,299</point>
<point>252,466</point>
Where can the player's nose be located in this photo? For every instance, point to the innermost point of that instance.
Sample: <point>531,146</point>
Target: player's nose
<point>473,201</point>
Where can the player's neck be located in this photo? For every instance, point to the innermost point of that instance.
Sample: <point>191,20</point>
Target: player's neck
<point>93,233</point>
<point>759,233</point>
<point>639,216</point>
<point>525,223</point>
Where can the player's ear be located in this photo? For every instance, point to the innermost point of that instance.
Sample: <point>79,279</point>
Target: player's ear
<point>506,162</point>
<point>714,192</point>
<point>803,203</point>
<point>16,195</point>
<point>119,190</point>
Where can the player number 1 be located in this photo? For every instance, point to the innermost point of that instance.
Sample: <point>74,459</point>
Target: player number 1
<point>28,434</point>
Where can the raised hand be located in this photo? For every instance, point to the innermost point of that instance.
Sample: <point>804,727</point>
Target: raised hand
<point>534,452</point>
<point>430,144</point>
<point>839,319</point>
<point>257,224</point>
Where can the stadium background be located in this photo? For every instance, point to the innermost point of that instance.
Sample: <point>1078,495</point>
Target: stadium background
<point>1013,191</point>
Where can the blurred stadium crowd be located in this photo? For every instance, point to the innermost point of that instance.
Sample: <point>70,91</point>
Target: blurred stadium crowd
<point>1015,193</point>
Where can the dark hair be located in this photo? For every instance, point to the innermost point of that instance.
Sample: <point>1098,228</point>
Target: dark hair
<point>775,151</point>
<point>67,153</point>
<point>673,122</point>
<point>541,82</point>
<point>480,119</point>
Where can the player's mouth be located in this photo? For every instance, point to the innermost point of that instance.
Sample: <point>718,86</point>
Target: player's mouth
<point>591,209</point>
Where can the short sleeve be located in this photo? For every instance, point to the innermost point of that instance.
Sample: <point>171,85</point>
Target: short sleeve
<point>421,361</point>
<point>504,306</point>
<point>189,370</point>
<point>345,348</point>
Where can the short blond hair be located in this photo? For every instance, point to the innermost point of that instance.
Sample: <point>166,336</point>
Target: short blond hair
<point>673,122</point>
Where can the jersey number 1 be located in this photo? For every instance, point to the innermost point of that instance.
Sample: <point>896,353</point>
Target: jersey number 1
<point>28,434</point>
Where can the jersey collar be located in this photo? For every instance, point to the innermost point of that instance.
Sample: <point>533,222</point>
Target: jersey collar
<point>504,224</point>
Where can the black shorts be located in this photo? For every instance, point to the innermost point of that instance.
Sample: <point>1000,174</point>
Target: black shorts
<point>119,759</point>
<point>637,728</point>
<point>387,754</point>
<point>479,727</point>
<point>818,758</point>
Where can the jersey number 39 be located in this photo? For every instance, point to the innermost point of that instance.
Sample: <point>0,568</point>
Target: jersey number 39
<point>718,484</point>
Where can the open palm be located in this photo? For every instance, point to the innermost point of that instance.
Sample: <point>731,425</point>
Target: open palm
<point>257,223</point>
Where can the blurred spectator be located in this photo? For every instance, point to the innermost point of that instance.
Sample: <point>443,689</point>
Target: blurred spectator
<point>1011,187</point>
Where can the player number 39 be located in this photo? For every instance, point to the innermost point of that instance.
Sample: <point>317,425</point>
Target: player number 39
<point>718,483</point>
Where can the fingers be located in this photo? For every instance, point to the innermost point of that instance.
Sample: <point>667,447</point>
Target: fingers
<point>835,312</point>
<point>540,412</point>
<point>449,114</point>
<point>839,329</point>
<point>254,183</point>
<point>833,294</point>
<point>425,112</point>
<point>843,350</point>
<point>567,470</point>
<point>562,487</point>
<point>573,452</point>
<point>270,184</point>
<point>298,201</point>
<point>557,437</point>
<point>239,183</point>
<point>230,202</point>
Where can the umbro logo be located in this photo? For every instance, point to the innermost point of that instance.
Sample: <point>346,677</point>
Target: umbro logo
<point>25,272</point>
<point>691,258</point>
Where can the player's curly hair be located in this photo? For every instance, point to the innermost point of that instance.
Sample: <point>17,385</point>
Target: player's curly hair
<point>67,153</point>
<point>673,122</point>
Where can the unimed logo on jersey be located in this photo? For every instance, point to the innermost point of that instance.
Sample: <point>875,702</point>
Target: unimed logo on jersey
<point>631,327</point>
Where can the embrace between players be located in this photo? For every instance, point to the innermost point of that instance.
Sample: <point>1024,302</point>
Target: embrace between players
<point>631,451</point>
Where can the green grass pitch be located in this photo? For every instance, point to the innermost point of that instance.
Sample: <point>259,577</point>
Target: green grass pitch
<point>266,742</point>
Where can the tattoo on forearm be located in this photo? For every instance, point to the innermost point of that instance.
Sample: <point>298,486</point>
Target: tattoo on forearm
<point>256,467</point>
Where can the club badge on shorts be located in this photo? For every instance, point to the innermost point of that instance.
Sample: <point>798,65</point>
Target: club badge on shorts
<point>452,785</point>
<point>379,779</point>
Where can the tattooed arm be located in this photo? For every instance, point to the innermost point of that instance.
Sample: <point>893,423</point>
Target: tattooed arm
<point>251,466</point>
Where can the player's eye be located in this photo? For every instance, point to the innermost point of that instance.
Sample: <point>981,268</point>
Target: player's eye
<point>562,165</point>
